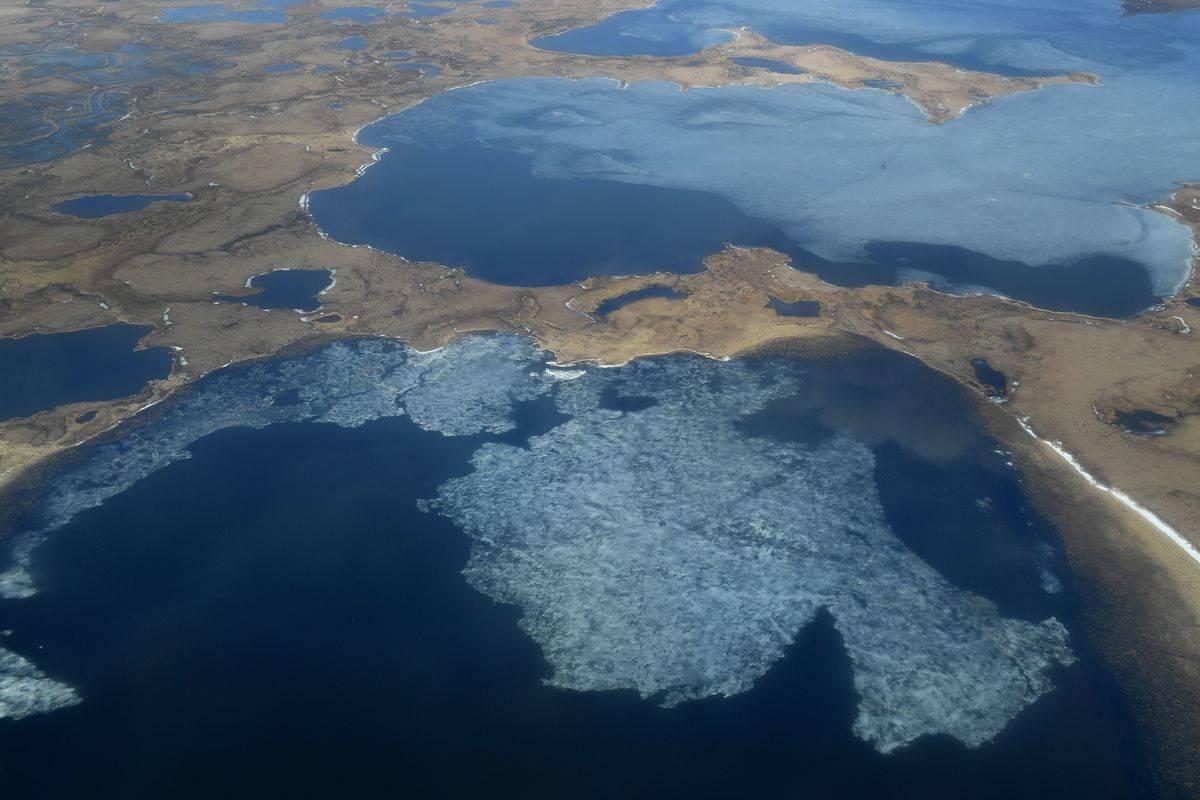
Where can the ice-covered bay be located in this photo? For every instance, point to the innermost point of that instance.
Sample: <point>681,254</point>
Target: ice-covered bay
<point>1045,177</point>
<point>1053,176</point>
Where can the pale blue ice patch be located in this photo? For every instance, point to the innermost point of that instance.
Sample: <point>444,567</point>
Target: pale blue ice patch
<point>464,388</point>
<point>1042,177</point>
<point>25,690</point>
<point>666,551</point>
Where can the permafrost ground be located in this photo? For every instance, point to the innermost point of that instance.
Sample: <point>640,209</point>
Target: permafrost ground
<point>663,549</point>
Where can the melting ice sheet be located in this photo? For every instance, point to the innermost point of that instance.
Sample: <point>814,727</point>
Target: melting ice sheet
<point>659,545</point>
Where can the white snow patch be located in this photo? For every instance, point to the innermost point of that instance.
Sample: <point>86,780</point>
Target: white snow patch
<point>1155,521</point>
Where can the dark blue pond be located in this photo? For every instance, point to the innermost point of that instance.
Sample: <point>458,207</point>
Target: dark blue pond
<point>620,301</point>
<point>41,371</point>
<point>102,205</point>
<point>1143,422</point>
<point>273,617</point>
<point>275,69</point>
<point>284,288</point>
<point>800,308</point>
<point>483,209</point>
<point>1194,301</point>
<point>991,377</point>
<point>353,43</point>
<point>774,65</point>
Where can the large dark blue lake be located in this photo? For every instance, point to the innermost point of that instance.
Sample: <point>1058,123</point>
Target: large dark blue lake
<point>41,371</point>
<point>544,181</point>
<point>275,616</point>
<point>482,209</point>
<point>486,210</point>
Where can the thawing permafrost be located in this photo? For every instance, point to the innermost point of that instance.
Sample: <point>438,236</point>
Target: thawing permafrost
<point>464,388</point>
<point>24,690</point>
<point>666,551</point>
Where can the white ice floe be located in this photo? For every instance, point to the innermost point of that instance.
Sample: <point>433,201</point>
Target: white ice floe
<point>25,691</point>
<point>564,374</point>
<point>667,552</point>
<point>465,388</point>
